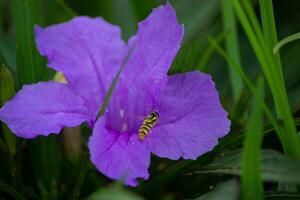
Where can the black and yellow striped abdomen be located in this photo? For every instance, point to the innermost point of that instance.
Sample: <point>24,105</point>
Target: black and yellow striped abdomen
<point>147,125</point>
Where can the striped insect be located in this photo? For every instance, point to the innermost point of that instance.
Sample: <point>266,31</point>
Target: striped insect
<point>148,123</point>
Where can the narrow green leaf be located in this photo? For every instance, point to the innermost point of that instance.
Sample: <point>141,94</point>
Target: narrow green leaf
<point>31,67</point>
<point>114,193</point>
<point>196,16</point>
<point>208,53</point>
<point>1,15</point>
<point>10,190</point>
<point>272,70</point>
<point>2,60</point>
<point>46,160</point>
<point>230,188</point>
<point>281,195</point>
<point>141,9</point>
<point>252,88</point>
<point>275,167</point>
<point>283,107</point>
<point>269,27</point>
<point>251,180</point>
<point>115,80</point>
<point>287,187</point>
<point>286,40</point>
<point>67,9</point>
<point>7,91</point>
<point>232,45</point>
<point>81,176</point>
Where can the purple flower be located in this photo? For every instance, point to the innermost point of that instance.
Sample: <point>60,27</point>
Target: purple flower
<point>89,52</point>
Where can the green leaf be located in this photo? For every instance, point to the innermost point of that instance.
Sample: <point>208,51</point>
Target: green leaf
<point>31,67</point>
<point>7,188</point>
<point>2,60</point>
<point>262,45</point>
<point>232,45</point>
<point>251,180</point>
<point>230,188</point>
<point>81,176</point>
<point>196,16</point>
<point>275,167</point>
<point>281,102</point>
<point>208,53</point>
<point>281,195</point>
<point>46,158</point>
<point>7,91</point>
<point>286,40</point>
<point>115,193</point>
<point>251,87</point>
<point>67,9</point>
<point>141,9</point>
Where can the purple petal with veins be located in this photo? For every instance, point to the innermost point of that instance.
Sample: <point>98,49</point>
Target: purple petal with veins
<point>89,52</point>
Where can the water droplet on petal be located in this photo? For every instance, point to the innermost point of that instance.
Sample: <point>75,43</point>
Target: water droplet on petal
<point>122,113</point>
<point>124,127</point>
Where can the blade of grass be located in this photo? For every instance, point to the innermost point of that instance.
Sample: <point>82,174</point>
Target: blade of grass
<point>251,179</point>
<point>272,71</point>
<point>46,161</point>
<point>1,15</point>
<point>10,190</point>
<point>2,60</point>
<point>197,16</point>
<point>256,41</point>
<point>82,173</point>
<point>232,45</point>
<point>30,65</point>
<point>251,87</point>
<point>7,90</point>
<point>270,36</point>
<point>286,40</point>
<point>208,53</point>
<point>115,80</point>
<point>264,41</point>
<point>67,9</point>
<point>85,166</point>
<point>255,36</point>
<point>269,29</point>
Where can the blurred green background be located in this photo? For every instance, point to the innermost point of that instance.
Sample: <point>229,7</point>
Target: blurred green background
<point>57,167</point>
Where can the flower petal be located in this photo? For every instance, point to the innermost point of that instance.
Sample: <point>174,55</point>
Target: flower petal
<point>118,155</point>
<point>156,44</point>
<point>88,52</point>
<point>191,118</point>
<point>43,108</point>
